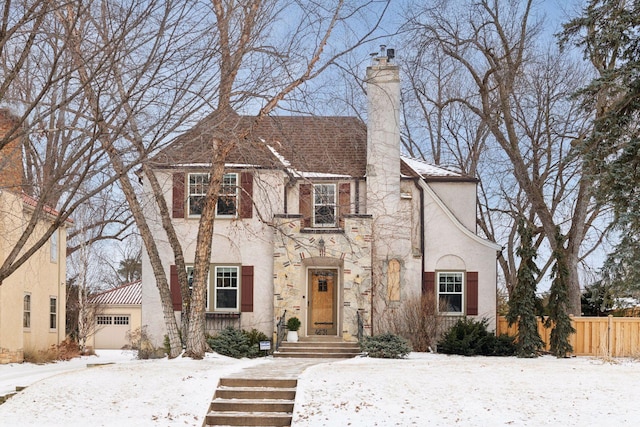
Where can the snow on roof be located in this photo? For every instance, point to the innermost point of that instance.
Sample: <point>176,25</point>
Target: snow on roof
<point>425,169</point>
<point>286,163</point>
<point>311,175</point>
<point>128,294</point>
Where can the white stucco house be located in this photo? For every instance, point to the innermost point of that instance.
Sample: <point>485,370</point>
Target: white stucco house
<point>323,218</point>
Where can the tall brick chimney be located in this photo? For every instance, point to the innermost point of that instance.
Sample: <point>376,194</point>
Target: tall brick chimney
<point>11,168</point>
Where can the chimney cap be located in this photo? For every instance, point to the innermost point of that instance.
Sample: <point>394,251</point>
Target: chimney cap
<point>383,56</point>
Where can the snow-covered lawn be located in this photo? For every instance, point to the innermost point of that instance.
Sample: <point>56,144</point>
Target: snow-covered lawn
<point>425,389</point>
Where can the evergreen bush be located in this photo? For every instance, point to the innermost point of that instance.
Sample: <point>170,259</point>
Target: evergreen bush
<point>468,337</point>
<point>236,343</point>
<point>385,346</point>
<point>255,336</point>
<point>293,324</point>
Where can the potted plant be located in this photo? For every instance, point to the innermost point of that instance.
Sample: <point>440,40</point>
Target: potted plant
<point>293,324</point>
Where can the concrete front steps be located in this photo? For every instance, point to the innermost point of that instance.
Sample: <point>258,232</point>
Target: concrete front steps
<point>320,347</point>
<point>252,402</point>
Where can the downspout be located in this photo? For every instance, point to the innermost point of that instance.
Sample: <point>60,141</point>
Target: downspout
<point>357,196</point>
<point>286,198</point>
<point>422,245</point>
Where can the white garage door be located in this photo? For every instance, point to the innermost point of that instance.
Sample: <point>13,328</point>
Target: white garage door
<point>111,331</point>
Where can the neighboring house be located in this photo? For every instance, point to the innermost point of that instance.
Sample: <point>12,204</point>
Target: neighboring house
<point>33,298</point>
<point>323,219</point>
<point>118,313</point>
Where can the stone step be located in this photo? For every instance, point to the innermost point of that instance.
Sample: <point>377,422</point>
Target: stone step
<point>259,382</point>
<point>252,405</point>
<point>255,393</point>
<point>315,355</point>
<point>319,349</point>
<point>248,419</point>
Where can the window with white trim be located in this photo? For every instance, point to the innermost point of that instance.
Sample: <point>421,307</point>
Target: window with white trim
<point>450,292</point>
<point>228,198</point>
<point>190,272</point>
<point>26,311</point>
<point>53,313</point>
<point>226,289</point>
<point>198,184</point>
<point>324,205</point>
<point>53,247</point>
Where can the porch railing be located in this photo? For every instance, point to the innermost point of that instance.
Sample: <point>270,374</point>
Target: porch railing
<point>360,326</point>
<point>280,329</point>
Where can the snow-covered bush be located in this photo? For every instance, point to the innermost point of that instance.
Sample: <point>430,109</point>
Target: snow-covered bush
<point>385,346</point>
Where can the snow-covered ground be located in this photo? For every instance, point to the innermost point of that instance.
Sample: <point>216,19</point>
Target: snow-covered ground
<point>425,389</point>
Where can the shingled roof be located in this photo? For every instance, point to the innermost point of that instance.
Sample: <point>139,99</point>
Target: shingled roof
<point>334,145</point>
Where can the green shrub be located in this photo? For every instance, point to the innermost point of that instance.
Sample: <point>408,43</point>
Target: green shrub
<point>255,336</point>
<point>293,324</point>
<point>385,346</point>
<point>504,345</point>
<point>469,337</point>
<point>236,343</point>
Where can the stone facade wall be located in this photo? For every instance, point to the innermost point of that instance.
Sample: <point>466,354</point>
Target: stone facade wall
<point>349,251</point>
<point>9,356</point>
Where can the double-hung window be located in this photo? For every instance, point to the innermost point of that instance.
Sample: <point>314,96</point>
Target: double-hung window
<point>198,185</point>
<point>324,205</point>
<point>53,313</point>
<point>228,197</point>
<point>53,249</point>
<point>450,292</point>
<point>190,272</point>
<point>26,311</point>
<point>226,292</point>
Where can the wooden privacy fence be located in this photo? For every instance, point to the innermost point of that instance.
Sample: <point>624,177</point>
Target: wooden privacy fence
<point>595,336</point>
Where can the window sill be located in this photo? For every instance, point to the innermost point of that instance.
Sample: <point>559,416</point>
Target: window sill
<point>222,315</point>
<point>322,230</point>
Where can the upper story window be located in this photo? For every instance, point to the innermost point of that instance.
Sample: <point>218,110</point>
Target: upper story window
<point>324,205</point>
<point>198,186</point>
<point>53,246</point>
<point>450,292</point>
<point>227,198</point>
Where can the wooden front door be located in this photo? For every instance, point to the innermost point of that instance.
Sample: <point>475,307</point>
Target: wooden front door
<point>322,302</point>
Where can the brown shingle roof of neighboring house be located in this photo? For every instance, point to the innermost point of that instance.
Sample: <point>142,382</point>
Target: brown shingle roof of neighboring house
<point>323,145</point>
<point>128,294</point>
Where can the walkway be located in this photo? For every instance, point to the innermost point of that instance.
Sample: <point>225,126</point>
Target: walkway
<point>279,368</point>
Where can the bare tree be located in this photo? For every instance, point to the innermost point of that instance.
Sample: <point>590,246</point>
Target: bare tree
<point>505,103</point>
<point>63,167</point>
<point>241,28</point>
